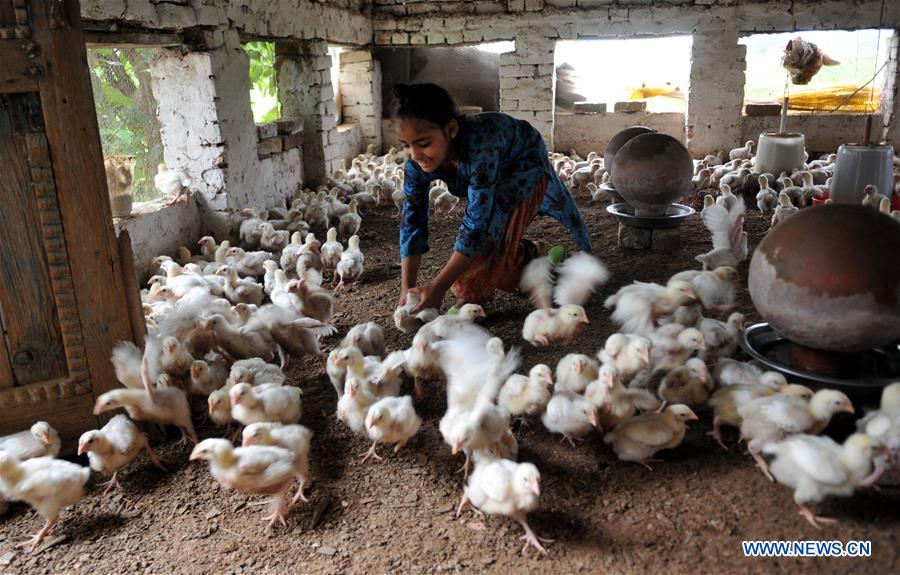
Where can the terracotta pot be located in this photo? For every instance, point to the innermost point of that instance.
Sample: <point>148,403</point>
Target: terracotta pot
<point>651,171</point>
<point>829,279</point>
<point>619,140</point>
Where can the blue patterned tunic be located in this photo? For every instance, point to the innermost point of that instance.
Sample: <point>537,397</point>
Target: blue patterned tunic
<point>502,160</point>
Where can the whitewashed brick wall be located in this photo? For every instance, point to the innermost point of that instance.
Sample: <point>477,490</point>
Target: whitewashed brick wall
<point>361,95</point>
<point>527,83</point>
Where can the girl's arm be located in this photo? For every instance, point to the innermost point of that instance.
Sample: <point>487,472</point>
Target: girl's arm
<point>409,268</point>
<point>432,293</point>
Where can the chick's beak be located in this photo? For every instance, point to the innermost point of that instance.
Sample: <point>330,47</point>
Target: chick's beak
<point>645,355</point>
<point>195,454</point>
<point>81,448</point>
<point>247,442</point>
<point>98,408</point>
<point>848,407</point>
<point>535,486</point>
<point>692,416</point>
<point>457,445</point>
<point>595,421</point>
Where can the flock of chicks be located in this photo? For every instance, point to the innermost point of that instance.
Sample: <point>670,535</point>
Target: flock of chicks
<point>211,334</point>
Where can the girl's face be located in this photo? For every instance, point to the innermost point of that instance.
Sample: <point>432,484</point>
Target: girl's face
<point>428,145</point>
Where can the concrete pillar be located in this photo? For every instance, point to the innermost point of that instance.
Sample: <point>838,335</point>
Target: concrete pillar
<point>716,93</point>
<point>361,94</point>
<point>890,95</point>
<point>527,83</point>
<point>303,70</point>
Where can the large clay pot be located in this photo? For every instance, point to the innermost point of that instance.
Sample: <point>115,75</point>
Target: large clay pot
<point>651,171</point>
<point>619,140</point>
<point>827,278</point>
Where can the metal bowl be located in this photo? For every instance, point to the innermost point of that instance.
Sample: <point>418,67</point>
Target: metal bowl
<point>875,368</point>
<point>612,191</point>
<point>675,214</point>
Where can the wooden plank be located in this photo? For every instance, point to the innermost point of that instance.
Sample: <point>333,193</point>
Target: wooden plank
<point>6,373</point>
<point>74,141</point>
<point>16,67</point>
<point>128,39</point>
<point>132,289</point>
<point>7,14</point>
<point>26,294</point>
<point>70,416</point>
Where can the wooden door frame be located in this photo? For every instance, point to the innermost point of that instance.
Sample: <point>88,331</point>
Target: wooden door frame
<point>97,302</point>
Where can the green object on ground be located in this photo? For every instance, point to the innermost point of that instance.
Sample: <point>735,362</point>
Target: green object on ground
<point>556,255</point>
<point>453,311</point>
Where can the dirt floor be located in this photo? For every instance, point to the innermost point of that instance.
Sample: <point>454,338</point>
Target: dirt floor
<point>689,515</point>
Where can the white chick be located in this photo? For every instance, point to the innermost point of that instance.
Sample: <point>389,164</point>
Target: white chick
<point>640,438</point>
<point>219,407</point>
<point>548,326</point>
<point>884,425</point>
<point>766,198</point>
<point>354,404</point>
<point>816,467</point>
<point>715,289</point>
<point>722,338</point>
<point>114,446</point>
<point>640,305</point>
<point>206,377</point>
<point>368,337</point>
<point>616,403</point>
<point>408,322</point>
<point>571,415</point>
<point>628,353</point>
<point>175,359</point>
<point>726,401</point>
<point>732,372</point>
<point>504,487</point>
<point>258,470</point>
<point>350,266</point>
<point>527,395</point>
<point>673,344</point>
<point>254,371</point>
<point>248,263</point>
<point>574,372</point>
<point>872,198</point>
<point>174,184</point>
<point>273,240</point>
<point>391,420</point>
<point>771,419</point>
<point>294,438</point>
<point>743,153</point>
<point>265,402</point>
<point>40,440</point>
<point>724,220</point>
<point>783,209</point>
<point>48,485</point>
<point>330,252</point>
<point>313,302</point>
<point>689,384</point>
<point>444,204</point>
<point>169,407</point>
<point>350,222</point>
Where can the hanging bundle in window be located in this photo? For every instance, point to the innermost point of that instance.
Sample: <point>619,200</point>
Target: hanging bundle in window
<point>804,60</point>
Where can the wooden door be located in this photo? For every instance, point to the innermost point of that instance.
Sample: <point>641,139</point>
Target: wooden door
<point>62,302</point>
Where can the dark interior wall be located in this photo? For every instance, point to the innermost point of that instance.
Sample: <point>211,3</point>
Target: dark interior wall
<point>470,75</point>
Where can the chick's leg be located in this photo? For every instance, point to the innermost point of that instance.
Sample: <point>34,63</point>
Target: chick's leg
<point>763,466</point>
<point>113,483</point>
<point>39,536</point>
<point>814,519</point>
<point>717,432</point>
<point>371,453</point>
<point>300,496</point>
<point>154,457</point>
<point>279,510</point>
<point>531,540</point>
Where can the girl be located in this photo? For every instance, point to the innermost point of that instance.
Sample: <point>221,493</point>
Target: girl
<point>500,164</point>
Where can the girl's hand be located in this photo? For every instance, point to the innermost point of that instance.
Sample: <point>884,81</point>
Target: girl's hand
<point>430,296</point>
<point>402,300</point>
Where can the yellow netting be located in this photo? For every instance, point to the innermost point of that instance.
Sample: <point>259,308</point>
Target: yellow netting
<point>645,91</point>
<point>841,97</point>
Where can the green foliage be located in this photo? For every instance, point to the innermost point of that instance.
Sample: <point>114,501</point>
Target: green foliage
<point>263,86</point>
<point>126,112</point>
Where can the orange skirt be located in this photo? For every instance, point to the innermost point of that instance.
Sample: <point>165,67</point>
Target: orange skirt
<point>500,266</point>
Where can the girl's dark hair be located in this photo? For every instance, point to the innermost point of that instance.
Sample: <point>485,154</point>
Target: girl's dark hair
<point>427,102</point>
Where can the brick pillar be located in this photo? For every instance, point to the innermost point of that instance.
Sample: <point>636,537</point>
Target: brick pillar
<point>303,70</point>
<point>716,93</point>
<point>527,83</point>
<point>890,96</point>
<point>361,94</point>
